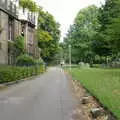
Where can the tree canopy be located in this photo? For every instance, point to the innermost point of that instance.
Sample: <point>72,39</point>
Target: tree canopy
<point>80,34</point>
<point>108,37</point>
<point>95,33</point>
<point>48,35</point>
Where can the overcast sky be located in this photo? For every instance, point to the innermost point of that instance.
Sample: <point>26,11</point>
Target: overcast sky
<point>65,11</point>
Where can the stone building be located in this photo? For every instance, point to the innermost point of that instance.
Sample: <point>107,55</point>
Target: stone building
<point>15,21</point>
<point>28,24</point>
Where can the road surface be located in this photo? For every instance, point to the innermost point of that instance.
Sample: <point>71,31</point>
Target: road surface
<point>47,97</point>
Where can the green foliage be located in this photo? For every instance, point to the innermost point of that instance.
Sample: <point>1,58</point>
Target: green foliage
<point>23,3</point>
<point>29,4</point>
<point>107,41</point>
<point>80,34</point>
<point>19,45</point>
<point>43,36</point>
<point>95,32</point>
<point>9,73</point>
<point>48,35</point>
<point>96,66</point>
<point>102,83</point>
<point>100,46</point>
<point>25,60</point>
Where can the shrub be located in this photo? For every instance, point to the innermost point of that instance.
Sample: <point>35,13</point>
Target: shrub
<point>96,65</point>
<point>25,60</point>
<point>39,62</point>
<point>9,73</point>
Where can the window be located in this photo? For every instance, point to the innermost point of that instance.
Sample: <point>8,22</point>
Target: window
<point>30,36</point>
<point>11,29</point>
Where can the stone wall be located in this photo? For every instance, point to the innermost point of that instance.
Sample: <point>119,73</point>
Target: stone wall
<point>4,20</point>
<point>16,32</point>
<point>29,34</point>
<point>31,41</point>
<point>4,38</point>
<point>17,28</point>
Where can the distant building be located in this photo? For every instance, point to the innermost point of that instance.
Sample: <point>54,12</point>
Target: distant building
<point>15,21</point>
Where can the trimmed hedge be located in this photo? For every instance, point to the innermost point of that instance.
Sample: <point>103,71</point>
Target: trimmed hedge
<point>10,73</point>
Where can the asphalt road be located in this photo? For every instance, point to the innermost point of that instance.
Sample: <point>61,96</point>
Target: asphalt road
<point>47,97</point>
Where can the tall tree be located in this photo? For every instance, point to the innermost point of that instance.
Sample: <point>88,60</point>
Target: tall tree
<point>108,38</point>
<point>48,35</point>
<point>112,31</point>
<point>80,34</point>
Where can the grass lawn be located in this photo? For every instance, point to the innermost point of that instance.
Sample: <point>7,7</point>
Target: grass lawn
<point>102,83</point>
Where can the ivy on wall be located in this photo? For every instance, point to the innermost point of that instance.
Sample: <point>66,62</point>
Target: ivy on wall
<point>17,46</point>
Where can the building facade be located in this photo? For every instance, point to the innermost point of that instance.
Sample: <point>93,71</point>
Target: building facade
<point>28,24</point>
<point>15,21</point>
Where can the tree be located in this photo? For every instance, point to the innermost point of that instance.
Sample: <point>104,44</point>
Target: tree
<point>112,31</point>
<point>95,32</point>
<point>48,35</point>
<point>80,34</point>
<point>108,37</point>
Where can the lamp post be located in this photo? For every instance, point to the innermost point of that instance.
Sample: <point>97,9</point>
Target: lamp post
<point>70,57</point>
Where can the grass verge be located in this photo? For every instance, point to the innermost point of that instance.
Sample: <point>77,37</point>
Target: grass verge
<point>102,83</point>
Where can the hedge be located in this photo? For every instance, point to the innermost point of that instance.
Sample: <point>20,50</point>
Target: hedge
<point>27,60</point>
<point>10,73</point>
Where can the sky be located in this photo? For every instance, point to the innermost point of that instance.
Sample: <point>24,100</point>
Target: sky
<point>65,11</point>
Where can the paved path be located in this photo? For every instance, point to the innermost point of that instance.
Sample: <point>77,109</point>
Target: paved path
<point>48,97</point>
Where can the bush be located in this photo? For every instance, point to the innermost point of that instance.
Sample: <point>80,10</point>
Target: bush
<point>9,73</point>
<point>25,60</point>
<point>96,66</point>
<point>39,62</point>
